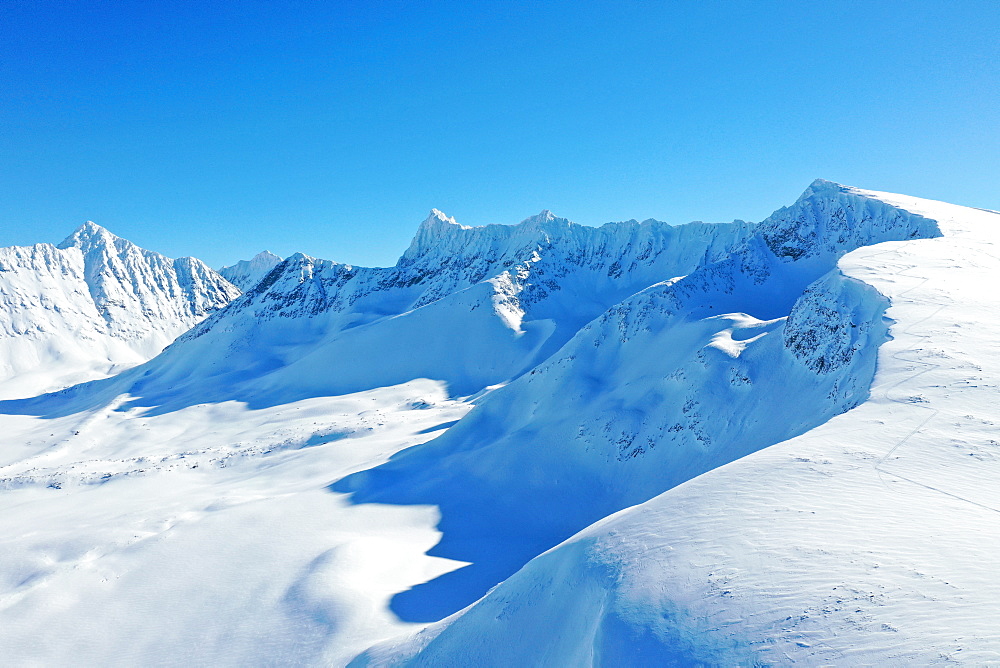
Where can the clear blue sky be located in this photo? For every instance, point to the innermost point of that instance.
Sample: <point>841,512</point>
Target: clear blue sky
<point>217,129</point>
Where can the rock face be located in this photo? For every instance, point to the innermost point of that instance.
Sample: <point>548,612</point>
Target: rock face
<point>73,311</point>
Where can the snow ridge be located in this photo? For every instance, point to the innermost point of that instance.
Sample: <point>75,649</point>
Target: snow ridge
<point>859,542</point>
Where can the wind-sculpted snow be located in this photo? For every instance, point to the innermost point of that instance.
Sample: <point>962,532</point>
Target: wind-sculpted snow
<point>95,301</point>
<point>473,307</point>
<point>679,379</point>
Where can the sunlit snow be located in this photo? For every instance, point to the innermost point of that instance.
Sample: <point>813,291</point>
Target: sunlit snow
<point>535,444</point>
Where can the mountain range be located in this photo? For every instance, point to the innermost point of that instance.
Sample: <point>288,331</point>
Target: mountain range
<point>532,444</point>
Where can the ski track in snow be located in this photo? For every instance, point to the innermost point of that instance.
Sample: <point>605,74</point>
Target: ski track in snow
<point>928,367</point>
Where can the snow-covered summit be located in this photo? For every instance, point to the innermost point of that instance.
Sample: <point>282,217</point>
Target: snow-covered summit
<point>830,219</point>
<point>95,301</point>
<point>88,235</point>
<point>245,274</point>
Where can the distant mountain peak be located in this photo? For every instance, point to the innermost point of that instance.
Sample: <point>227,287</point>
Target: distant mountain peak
<point>87,235</point>
<point>95,301</point>
<point>91,227</point>
<point>299,257</point>
<point>245,274</point>
<point>438,219</point>
<point>820,186</point>
<point>543,219</point>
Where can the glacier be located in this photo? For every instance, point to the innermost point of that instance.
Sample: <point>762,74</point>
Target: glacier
<point>532,444</point>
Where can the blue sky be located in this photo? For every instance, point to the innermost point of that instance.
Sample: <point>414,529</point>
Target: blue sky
<point>219,129</point>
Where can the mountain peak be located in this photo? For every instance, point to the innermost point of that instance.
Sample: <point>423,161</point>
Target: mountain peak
<point>435,227</point>
<point>87,235</point>
<point>823,186</point>
<point>438,219</point>
<point>543,220</point>
<point>91,227</point>
<point>265,256</point>
<point>542,216</point>
<point>245,274</point>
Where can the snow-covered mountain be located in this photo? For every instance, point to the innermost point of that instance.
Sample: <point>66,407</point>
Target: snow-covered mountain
<point>470,306</point>
<point>532,444</point>
<point>93,303</point>
<point>685,376</point>
<point>245,274</point>
<point>869,540</point>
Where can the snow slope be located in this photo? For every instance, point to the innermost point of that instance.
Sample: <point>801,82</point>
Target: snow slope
<point>869,540</point>
<point>93,304</point>
<point>207,536</point>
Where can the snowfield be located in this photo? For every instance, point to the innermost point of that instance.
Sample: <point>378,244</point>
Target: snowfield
<point>539,444</point>
<point>207,536</point>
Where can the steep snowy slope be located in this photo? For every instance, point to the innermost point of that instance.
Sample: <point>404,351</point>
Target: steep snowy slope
<point>96,301</point>
<point>469,306</point>
<point>245,274</point>
<point>870,540</point>
<point>672,382</point>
